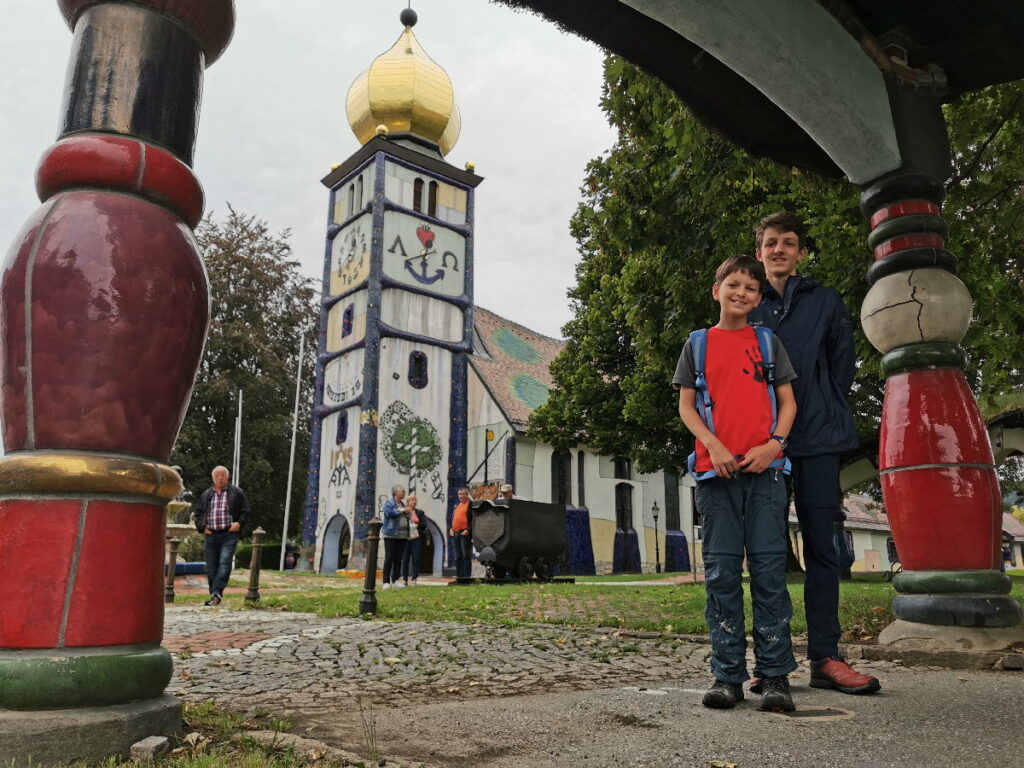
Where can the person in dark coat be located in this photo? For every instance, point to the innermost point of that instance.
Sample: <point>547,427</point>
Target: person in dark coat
<point>221,512</point>
<point>815,327</point>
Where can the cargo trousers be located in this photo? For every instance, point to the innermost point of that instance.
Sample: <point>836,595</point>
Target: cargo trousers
<point>746,515</point>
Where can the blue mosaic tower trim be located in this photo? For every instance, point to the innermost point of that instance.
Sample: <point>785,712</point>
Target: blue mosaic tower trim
<point>677,552</point>
<point>366,481</point>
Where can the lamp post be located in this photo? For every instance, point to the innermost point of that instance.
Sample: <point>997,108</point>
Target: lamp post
<point>657,551</point>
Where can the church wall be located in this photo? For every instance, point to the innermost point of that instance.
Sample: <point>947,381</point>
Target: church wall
<point>484,414</point>
<point>339,453</point>
<point>413,433</point>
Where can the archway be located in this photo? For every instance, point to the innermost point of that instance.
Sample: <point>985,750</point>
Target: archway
<point>336,545</point>
<point>432,562</point>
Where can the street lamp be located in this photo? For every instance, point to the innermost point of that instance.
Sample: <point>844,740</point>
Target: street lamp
<point>657,551</point>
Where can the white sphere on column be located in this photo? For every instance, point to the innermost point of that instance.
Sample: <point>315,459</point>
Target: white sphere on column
<point>916,306</point>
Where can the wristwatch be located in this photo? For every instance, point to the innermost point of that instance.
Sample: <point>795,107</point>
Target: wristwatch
<point>781,439</point>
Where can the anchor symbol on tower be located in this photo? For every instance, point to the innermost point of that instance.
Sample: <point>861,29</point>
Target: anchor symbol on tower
<point>426,237</point>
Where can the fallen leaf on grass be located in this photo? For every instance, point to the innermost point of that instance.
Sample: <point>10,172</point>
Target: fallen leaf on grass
<point>186,675</point>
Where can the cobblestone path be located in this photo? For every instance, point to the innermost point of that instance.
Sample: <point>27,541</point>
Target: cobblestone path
<point>298,662</point>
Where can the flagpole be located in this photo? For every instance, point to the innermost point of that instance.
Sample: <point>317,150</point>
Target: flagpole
<point>236,463</point>
<point>291,458</point>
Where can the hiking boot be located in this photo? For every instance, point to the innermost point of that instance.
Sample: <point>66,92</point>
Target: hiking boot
<point>775,696</point>
<point>214,600</point>
<point>722,695</point>
<point>837,674</point>
<point>756,684</point>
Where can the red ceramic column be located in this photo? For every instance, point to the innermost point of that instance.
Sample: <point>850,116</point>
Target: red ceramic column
<point>104,305</point>
<point>937,468</point>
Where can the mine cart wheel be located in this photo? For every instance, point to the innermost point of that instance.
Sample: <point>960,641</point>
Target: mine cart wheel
<point>524,569</point>
<point>541,569</point>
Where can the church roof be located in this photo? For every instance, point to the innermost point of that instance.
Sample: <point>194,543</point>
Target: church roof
<point>512,361</point>
<point>1013,526</point>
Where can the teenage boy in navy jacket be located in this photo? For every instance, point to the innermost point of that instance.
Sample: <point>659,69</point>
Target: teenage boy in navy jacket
<point>815,327</point>
<point>741,493</point>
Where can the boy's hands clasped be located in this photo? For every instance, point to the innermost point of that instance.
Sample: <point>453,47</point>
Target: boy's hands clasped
<point>756,460</point>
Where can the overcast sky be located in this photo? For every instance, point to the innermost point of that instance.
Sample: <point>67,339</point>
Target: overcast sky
<point>273,122</point>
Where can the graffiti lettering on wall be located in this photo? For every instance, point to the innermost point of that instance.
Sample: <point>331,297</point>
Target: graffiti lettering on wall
<point>340,474</point>
<point>410,443</point>
<point>343,392</point>
<point>438,491</point>
<point>421,260</point>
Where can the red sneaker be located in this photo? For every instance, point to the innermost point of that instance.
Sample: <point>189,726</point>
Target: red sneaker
<point>837,674</point>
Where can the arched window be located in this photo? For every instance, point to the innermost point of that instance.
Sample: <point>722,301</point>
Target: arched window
<point>561,471</point>
<point>432,199</point>
<point>580,495</point>
<point>624,506</point>
<point>359,193</point>
<point>346,320</point>
<point>351,200</point>
<point>418,370</point>
<point>417,195</point>
<point>342,434</point>
<point>671,501</point>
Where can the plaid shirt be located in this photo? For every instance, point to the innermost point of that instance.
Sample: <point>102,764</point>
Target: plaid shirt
<point>217,517</point>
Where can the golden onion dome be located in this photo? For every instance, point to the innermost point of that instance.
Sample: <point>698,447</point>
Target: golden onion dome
<point>407,92</point>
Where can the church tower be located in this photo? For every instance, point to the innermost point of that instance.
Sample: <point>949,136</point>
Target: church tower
<point>396,321</point>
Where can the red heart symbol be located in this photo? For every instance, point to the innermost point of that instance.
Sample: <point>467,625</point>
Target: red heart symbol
<point>425,235</point>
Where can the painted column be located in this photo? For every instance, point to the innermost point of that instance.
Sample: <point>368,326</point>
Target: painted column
<point>937,469</point>
<point>105,306</point>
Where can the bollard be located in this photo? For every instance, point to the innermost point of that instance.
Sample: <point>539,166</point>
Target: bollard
<point>368,602</point>
<point>172,561</point>
<point>253,595</point>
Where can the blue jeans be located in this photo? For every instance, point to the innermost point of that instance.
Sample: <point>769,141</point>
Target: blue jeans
<point>746,514</point>
<point>411,559</point>
<point>818,507</point>
<point>220,553</point>
<point>463,555</point>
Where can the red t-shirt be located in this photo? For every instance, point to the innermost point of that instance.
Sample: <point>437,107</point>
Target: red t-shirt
<point>742,412</point>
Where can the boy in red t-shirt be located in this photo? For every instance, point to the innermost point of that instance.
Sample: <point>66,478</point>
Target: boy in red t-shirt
<point>742,500</point>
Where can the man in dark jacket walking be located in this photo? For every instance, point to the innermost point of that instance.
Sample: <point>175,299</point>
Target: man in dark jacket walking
<point>815,328</point>
<point>220,514</point>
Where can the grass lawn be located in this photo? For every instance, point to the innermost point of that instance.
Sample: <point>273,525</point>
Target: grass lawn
<point>865,605</point>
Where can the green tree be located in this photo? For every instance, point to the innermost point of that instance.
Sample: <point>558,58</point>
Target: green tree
<point>261,305</point>
<point>672,199</point>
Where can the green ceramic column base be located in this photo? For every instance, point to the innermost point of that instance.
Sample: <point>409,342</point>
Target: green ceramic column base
<point>82,677</point>
<point>914,357</point>
<point>951,582</point>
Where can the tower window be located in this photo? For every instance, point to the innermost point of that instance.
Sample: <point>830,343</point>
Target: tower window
<point>346,320</point>
<point>418,370</point>
<point>432,199</point>
<point>351,200</point>
<point>417,195</point>
<point>342,434</point>
<point>359,192</point>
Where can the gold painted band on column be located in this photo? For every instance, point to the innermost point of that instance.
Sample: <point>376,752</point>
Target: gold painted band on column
<point>56,473</point>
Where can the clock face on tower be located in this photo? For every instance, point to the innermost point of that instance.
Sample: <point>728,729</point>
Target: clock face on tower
<point>424,255</point>
<point>350,255</point>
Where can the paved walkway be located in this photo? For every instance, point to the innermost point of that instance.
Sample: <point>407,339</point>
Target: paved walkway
<point>462,695</point>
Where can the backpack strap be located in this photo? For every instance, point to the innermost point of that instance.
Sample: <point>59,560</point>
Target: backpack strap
<point>704,404</point>
<point>764,343</point>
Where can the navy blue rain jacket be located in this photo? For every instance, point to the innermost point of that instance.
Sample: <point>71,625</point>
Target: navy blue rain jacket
<point>816,330</point>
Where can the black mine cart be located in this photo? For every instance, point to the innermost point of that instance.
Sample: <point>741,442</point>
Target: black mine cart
<point>518,538</point>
